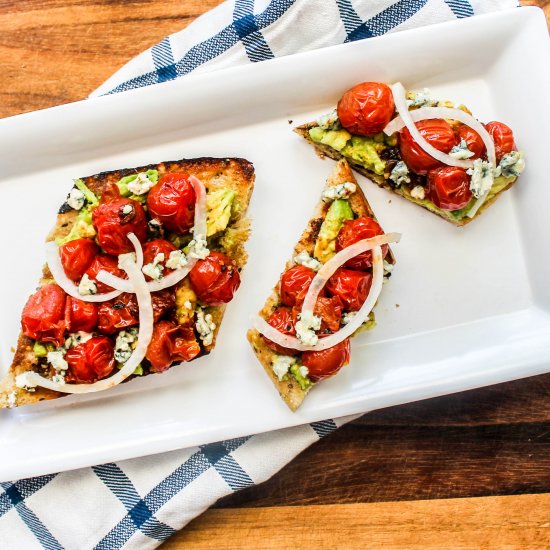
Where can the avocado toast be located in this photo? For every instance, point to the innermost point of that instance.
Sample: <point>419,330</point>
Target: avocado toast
<point>341,219</point>
<point>188,221</point>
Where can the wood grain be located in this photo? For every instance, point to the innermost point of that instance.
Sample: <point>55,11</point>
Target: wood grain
<point>488,523</point>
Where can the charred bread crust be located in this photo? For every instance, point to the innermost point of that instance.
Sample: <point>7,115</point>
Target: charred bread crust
<point>290,391</point>
<point>327,151</point>
<point>215,173</point>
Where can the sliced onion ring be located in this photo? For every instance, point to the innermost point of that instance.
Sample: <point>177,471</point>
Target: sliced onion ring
<point>318,283</point>
<point>177,275</point>
<point>139,284</point>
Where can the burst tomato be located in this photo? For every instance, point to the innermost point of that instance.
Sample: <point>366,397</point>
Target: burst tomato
<point>171,343</point>
<point>502,136</point>
<point>122,312</point>
<point>329,310</point>
<point>437,133</point>
<point>449,188</point>
<point>76,257</point>
<point>352,287</point>
<point>294,285</point>
<point>90,361</point>
<point>327,362</point>
<point>80,315</point>
<point>473,140</point>
<point>366,108</point>
<point>283,320</point>
<point>357,230</point>
<point>158,246</point>
<point>44,315</point>
<point>215,279</point>
<point>172,201</point>
<point>105,263</point>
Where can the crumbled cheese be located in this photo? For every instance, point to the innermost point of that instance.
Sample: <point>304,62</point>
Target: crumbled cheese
<point>58,378</point>
<point>461,151</point>
<point>57,360</point>
<point>141,185</point>
<point>481,178</point>
<point>22,381</point>
<point>155,269</point>
<point>306,327</point>
<point>418,192</point>
<point>87,286</point>
<point>329,121</point>
<point>420,98</point>
<point>400,174</point>
<point>12,399</point>
<point>511,165</point>
<point>122,257</point>
<point>307,261</point>
<point>187,304</point>
<point>124,344</point>
<point>127,209</point>
<point>176,260</point>
<point>348,317</point>
<point>154,225</point>
<point>340,191</point>
<point>304,371</point>
<point>205,327</point>
<point>281,365</point>
<point>76,199</point>
<point>198,248</point>
<point>75,338</point>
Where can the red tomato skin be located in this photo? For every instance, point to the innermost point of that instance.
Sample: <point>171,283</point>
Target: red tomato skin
<point>294,285</point>
<point>327,362</point>
<point>90,361</point>
<point>106,263</point>
<point>114,315</point>
<point>329,309</point>
<point>171,343</point>
<point>502,136</point>
<point>172,201</point>
<point>438,133</point>
<point>357,230</point>
<point>80,316</point>
<point>366,108</point>
<point>351,286</point>
<point>283,320</point>
<point>44,315</point>
<point>449,188</point>
<point>215,279</point>
<point>473,140</point>
<point>76,257</point>
<point>158,246</point>
<point>113,225</point>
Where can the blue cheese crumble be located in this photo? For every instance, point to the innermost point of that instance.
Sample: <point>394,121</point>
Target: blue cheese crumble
<point>155,268</point>
<point>461,151</point>
<point>281,365</point>
<point>141,185</point>
<point>75,338</point>
<point>205,327</point>
<point>307,261</point>
<point>198,248</point>
<point>418,192</point>
<point>400,174</point>
<point>76,199</point>
<point>481,178</point>
<point>176,260</point>
<point>329,121</point>
<point>124,344</point>
<point>87,286</point>
<point>305,328</point>
<point>511,165</point>
<point>340,191</point>
<point>420,98</point>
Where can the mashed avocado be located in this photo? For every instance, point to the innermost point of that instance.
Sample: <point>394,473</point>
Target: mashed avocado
<point>304,381</point>
<point>218,206</point>
<point>82,227</point>
<point>325,245</point>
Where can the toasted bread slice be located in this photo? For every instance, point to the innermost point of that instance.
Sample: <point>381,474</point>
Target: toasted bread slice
<point>289,388</point>
<point>383,180</point>
<point>234,174</point>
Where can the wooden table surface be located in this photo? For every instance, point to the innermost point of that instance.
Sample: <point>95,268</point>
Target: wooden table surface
<point>399,478</point>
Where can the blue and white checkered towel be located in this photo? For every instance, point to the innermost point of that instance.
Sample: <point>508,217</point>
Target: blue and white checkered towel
<point>139,503</point>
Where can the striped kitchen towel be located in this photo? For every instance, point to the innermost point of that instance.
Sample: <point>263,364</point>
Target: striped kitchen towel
<point>141,502</point>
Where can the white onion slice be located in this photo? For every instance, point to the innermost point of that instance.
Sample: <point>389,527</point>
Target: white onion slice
<point>139,284</point>
<point>320,280</point>
<point>199,228</point>
<point>58,273</point>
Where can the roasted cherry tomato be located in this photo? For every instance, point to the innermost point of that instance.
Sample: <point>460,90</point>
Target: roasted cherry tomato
<point>357,230</point>
<point>502,136</point>
<point>215,279</point>
<point>366,108</point>
<point>294,285</point>
<point>80,315</point>
<point>76,257</point>
<point>44,315</point>
<point>171,343</point>
<point>449,188</point>
<point>90,361</point>
<point>122,312</point>
<point>329,310</point>
<point>172,201</point>
<point>437,133</point>
<point>352,287</point>
<point>473,140</point>
<point>283,320</point>
<point>158,246</point>
<point>327,362</point>
<point>105,263</point>
<point>163,301</point>
<point>113,221</point>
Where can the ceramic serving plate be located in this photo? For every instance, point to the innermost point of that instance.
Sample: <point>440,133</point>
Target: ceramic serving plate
<point>465,307</point>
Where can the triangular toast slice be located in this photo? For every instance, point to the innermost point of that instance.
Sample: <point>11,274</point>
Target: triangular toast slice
<point>293,386</point>
<point>229,183</point>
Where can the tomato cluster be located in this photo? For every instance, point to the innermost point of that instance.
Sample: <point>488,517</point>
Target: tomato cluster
<point>344,292</point>
<point>50,314</point>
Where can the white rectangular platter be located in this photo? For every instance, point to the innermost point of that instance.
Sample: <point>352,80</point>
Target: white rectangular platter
<point>465,307</point>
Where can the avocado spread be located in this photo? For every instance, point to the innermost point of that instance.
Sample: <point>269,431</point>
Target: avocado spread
<point>325,245</point>
<point>304,381</point>
<point>218,207</point>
